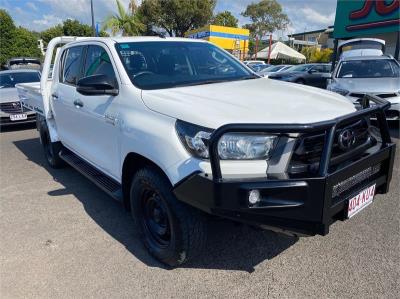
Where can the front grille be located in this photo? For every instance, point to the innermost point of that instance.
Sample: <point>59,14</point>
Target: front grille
<point>11,107</point>
<point>308,149</point>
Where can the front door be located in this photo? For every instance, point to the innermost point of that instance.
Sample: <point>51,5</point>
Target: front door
<point>319,75</point>
<point>98,116</point>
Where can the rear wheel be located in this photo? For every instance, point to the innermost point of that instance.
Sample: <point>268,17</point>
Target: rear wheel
<point>51,149</point>
<point>171,231</point>
<point>300,81</point>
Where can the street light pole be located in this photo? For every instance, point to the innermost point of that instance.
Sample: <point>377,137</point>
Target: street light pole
<point>91,9</point>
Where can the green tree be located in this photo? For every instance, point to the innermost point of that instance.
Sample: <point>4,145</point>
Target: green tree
<point>75,28</point>
<point>176,17</point>
<point>15,41</point>
<point>68,28</point>
<point>127,23</point>
<point>7,28</point>
<point>266,17</point>
<point>314,54</point>
<point>225,19</point>
<point>25,44</point>
<point>52,32</point>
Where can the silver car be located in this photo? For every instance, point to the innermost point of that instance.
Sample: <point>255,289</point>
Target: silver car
<point>274,69</point>
<point>11,111</point>
<point>353,77</point>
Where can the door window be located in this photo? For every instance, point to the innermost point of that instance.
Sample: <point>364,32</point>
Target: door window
<point>327,68</point>
<point>319,69</point>
<point>71,70</point>
<point>98,63</point>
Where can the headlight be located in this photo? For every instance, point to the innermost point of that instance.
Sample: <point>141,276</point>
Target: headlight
<point>343,92</point>
<point>245,147</point>
<point>194,138</point>
<point>232,146</point>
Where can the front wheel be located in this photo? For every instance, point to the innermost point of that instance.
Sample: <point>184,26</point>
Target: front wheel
<point>171,231</point>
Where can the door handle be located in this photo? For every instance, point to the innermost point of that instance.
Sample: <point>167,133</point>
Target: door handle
<point>110,119</point>
<point>54,96</point>
<point>78,103</point>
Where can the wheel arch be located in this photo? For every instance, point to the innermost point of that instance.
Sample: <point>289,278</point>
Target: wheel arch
<point>132,163</point>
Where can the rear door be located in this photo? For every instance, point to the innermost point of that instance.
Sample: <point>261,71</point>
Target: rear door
<point>63,96</point>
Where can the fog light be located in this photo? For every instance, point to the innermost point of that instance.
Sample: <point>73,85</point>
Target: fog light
<point>254,197</point>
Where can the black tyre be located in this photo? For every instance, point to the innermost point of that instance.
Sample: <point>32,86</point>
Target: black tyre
<point>300,81</point>
<point>51,149</point>
<point>172,232</point>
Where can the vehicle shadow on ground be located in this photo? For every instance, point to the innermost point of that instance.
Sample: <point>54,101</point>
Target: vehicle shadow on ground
<point>230,246</point>
<point>17,127</point>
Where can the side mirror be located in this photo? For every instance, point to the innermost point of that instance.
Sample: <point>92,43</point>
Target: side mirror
<point>97,85</point>
<point>312,71</point>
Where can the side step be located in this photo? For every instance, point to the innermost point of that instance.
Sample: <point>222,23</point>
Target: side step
<point>104,182</point>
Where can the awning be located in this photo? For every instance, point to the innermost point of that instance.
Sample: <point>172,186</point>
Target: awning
<point>281,51</point>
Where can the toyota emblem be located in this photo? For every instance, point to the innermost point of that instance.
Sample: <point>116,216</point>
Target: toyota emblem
<point>347,139</point>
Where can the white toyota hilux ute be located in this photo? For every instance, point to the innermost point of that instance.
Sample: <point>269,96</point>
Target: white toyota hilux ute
<point>178,129</point>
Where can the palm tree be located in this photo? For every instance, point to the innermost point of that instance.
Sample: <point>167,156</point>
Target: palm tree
<point>127,23</point>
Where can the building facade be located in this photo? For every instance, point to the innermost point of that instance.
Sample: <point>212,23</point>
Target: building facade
<point>321,39</point>
<point>372,19</point>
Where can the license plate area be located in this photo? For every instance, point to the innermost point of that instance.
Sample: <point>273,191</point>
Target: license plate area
<point>360,201</point>
<point>17,117</point>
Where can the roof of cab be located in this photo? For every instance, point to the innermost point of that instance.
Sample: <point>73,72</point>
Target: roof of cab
<point>132,39</point>
<point>154,38</point>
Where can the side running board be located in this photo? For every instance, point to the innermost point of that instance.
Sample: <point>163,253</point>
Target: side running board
<point>101,180</point>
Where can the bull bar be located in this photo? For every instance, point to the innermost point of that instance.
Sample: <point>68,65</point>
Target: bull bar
<point>300,206</point>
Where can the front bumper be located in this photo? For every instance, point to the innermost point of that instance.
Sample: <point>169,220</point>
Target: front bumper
<point>6,121</point>
<point>303,206</point>
<point>297,206</point>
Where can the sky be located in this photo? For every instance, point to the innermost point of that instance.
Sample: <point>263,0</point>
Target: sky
<point>41,14</point>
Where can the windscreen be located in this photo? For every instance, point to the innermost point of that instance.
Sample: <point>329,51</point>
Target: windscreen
<point>157,65</point>
<point>9,80</point>
<point>380,68</point>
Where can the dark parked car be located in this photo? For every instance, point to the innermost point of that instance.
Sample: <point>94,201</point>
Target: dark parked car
<point>23,63</point>
<point>309,74</point>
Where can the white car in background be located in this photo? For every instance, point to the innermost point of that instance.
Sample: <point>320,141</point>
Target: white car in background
<point>356,76</point>
<point>251,63</point>
<point>11,111</point>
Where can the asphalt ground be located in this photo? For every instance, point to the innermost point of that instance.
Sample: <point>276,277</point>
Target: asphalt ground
<point>61,237</point>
